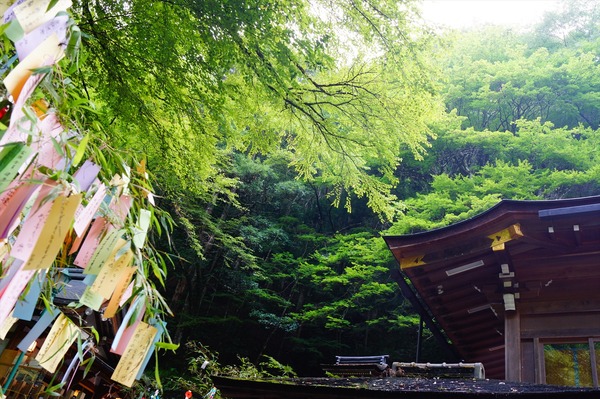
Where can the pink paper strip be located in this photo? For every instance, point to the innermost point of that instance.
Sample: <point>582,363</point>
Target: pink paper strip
<point>30,232</point>
<point>13,291</point>
<point>11,205</point>
<point>14,133</point>
<point>120,207</point>
<point>77,242</point>
<point>50,126</point>
<point>84,215</point>
<point>33,224</point>
<point>120,343</point>
<point>8,275</point>
<point>92,240</point>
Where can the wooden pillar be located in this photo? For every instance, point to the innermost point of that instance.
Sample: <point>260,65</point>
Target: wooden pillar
<point>540,361</point>
<point>593,357</point>
<point>512,346</point>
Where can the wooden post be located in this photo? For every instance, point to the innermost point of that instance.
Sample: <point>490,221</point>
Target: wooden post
<point>419,340</point>
<point>540,361</point>
<point>512,346</point>
<point>593,357</point>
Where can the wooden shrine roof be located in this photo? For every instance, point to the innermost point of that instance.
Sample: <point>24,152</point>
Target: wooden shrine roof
<point>545,253</point>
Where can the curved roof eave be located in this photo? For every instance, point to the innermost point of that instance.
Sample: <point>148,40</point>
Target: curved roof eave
<point>495,213</point>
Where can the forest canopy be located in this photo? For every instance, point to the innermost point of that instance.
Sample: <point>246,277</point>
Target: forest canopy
<point>191,83</point>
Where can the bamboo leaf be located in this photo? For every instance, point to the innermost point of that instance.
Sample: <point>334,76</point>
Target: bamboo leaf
<point>81,150</point>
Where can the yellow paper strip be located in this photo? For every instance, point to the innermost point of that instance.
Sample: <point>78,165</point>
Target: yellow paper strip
<point>115,300</point>
<point>111,273</point>
<point>53,233</point>
<point>104,250</point>
<point>4,249</point>
<point>4,5</point>
<point>58,341</point>
<point>48,52</point>
<point>133,357</point>
<point>32,14</point>
<point>91,299</point>
<point>6,326</point>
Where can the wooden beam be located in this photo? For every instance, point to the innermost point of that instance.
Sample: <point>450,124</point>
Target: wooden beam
<point>503,236</point>
<point>563,321</point>
<point>553,307</point>
<point>412,261</point>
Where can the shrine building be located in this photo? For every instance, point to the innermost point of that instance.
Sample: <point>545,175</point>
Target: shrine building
<point>516,288</point>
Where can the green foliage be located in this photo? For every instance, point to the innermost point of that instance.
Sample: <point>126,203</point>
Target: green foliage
<point>202,363</point>
<point>257,78</point>
<point>494,79</point>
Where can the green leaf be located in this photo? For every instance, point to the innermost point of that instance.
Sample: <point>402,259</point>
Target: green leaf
<point>81,150</point>
<point>42,70</point>
<point>167,346</point>
<point>14,31</point>
<point>51,4</point>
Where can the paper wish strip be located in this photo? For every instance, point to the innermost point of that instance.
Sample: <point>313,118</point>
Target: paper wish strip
<point>84,215</point>
<point>22,82</point>
<point>58,341</point>
<point>160,327</point>
<point>47,53</point>
<point>86,175</point>
<point>9,12</point>
<point>133,359</point>
<point>76,243</point>
<point>110,244</point>
<point>25,306</point>
<point>38,329</point>
<point>119,293</point>
<point>91,299</point>
<point>110,274</point>
<point>132,318</point>
<point>4,250</point>
<point>12,202</point>
<point>9,271</point>
<point>30,231</point>
<point>30,41</point>
<point>34,13</point>
<point>50,125</point>
<point>53,234</point>
<point>12,157</point>
<point>6,326</point>
<point>91,241</point>
<point>120,208</point>
<point>13,290</point>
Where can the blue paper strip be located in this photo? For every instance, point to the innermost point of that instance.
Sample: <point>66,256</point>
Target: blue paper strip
<point>25,307</point>
<point>37,330</point>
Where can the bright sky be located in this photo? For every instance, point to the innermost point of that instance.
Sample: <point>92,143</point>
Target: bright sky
<point>466,13</point>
